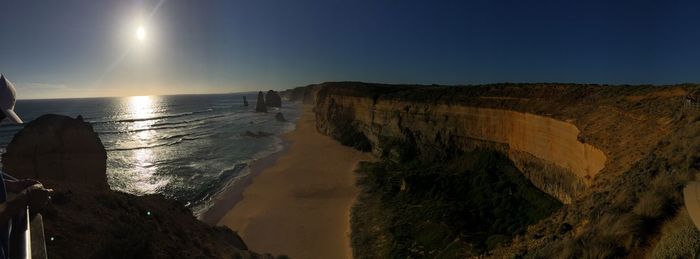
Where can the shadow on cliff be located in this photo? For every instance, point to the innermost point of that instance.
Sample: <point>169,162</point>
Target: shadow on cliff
<point>624,201</point>
<point>455,209</point>
<point>346,129</point>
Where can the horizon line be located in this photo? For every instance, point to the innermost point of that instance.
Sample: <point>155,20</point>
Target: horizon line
<point>380,83</point>
<point>125,96</point>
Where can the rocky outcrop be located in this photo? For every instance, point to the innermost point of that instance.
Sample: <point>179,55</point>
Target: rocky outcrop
<point>87,220</point>
<point>304,94</point>
<point>260,104</point>
<point>280,117</point>
<point>293,95</point>
<point>273,99</point>
<point>60,148</point>
<point>83,223</point>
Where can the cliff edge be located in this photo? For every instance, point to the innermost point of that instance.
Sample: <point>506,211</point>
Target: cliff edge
<point>617,155</point>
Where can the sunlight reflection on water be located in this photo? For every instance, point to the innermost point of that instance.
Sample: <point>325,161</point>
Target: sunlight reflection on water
<point>186,147</point>
<point>140,107</point>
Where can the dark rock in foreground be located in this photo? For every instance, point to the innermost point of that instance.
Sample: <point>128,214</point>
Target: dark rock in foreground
<point>109,224</point>
<point>280,117</point>
<point>273,99</point>
<point>260,105</point>
<point>86,222</point>
<point>56,147</point>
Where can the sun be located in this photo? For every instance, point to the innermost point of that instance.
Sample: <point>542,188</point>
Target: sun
<point>141,33</point>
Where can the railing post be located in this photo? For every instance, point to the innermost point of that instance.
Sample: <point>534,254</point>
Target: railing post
<point>27,236</point>
<point>38,240</point>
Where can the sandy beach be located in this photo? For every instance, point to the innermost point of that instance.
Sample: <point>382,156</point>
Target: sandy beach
<point>299,204</point>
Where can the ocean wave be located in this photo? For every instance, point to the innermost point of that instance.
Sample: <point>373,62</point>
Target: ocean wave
<point>228,177</point>
<point>145,129</point>
<point>216,186</point>
<point>144,119</point>
<point>6,127</point>
<point>172,143</point>
<point>168,125</point>
<point>188,121</point>
<point>176,136</point>
<point>177,115</point>
<point>143,147</point>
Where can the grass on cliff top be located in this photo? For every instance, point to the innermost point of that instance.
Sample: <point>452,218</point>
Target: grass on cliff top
<point>451,210</point>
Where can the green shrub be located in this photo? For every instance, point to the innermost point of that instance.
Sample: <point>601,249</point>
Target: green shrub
<point>451,210</point>
<point>679,238</point>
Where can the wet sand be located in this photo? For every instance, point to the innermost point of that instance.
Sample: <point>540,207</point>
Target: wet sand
<point>298,203</point>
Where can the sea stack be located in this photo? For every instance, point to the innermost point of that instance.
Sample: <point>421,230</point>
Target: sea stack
<point>245,102</point>
<point>260,105</point>
<point>273,99</point>
<point>58,148</point>
<point>280,117</point>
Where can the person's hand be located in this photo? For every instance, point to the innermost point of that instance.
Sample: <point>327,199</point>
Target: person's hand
<point>37,197</point>
<point>24,183</point>
<point>19,185</point>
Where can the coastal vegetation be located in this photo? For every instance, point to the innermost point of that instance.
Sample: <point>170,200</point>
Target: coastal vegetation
<point>466,206</point>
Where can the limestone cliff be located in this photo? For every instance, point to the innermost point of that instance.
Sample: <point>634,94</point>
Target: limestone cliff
<point>437,129</point>
<point>304,94</point>
<point>260,104</point>
<point>273,99</point>
<point>594,147</point>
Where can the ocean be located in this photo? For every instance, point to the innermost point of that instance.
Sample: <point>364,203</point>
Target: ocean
<point>186,147</point>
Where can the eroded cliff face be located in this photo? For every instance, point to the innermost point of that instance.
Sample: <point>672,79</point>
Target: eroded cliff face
<point>305,94</point>
<point>547,150</point>
<point>618,155</point>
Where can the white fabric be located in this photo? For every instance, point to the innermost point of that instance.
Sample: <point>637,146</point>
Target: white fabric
<point>7,99</point>
<point>12,116</point>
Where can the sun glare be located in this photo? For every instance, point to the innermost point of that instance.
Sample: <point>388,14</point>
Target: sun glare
<point>141,106</point>
<point>140,33</point>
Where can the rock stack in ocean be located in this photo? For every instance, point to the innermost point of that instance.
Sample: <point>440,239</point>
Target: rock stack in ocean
<point>245,102</point>
<point>57,148</point>
<point>273,99</point>
<point>280,117</point>
<point>260,105</point>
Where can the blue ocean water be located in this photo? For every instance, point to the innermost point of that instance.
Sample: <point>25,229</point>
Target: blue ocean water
<point>187,147</point>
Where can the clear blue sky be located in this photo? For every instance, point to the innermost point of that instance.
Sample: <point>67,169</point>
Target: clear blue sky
<point>89,48</point>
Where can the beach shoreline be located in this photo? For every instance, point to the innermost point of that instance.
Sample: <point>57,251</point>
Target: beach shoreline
<point>297,201</point>
<point>233,192</point>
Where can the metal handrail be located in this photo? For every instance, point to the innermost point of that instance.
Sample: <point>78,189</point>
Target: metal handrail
<point>33,233</point>
<point>27,236</point>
